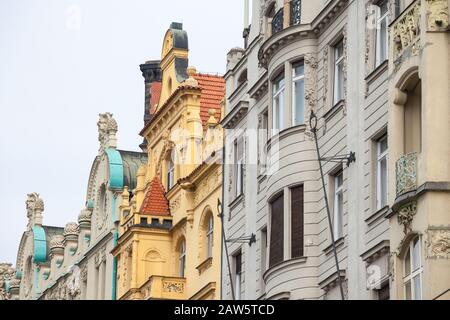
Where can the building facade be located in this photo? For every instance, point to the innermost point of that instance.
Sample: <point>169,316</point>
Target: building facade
<point>74,262</point>
<point>359,66</point>
<point>169,235</point>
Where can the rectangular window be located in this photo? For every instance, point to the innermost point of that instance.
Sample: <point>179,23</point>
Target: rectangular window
<point>413,270</point>
<point>382,32</point>
<point>338,211</point>
<point>276,254</point>
<point>278,88</point>
<point>238,276</point>
<point>339,72</point>
<point>263,255</point>
<point>382,172</point>
<point>297,229</point>
<point>239,166</point>
<point>298,94</point>
<point>262,141</point>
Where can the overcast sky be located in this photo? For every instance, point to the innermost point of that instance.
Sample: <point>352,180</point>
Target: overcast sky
<point>62,62</point>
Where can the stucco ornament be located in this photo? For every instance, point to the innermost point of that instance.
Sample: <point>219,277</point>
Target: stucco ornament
<point>405,33</point>
<point>439,243</point>
<point>73,282</point>
<point>437,15</point>
<point>57,242</point>
<point>35,207</point>
<point>7,273</point>
<point>107,129</point>
<point>71,229</point>
<point>406,215</point>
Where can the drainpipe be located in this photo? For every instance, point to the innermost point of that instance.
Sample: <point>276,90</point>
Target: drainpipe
<point>115,241</point>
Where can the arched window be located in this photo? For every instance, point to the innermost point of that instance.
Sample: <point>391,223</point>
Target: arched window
<point>413,270</point>
<point>182,258</point>
<point>209,236</point>
<point>170,171</point>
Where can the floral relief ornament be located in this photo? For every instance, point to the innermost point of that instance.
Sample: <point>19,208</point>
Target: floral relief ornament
<point>439,243</point>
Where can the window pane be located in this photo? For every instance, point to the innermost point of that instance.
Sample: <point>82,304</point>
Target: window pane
<point>339,51</point>
<point>299,70</point>
<point>299,100</point>
<point>408,264</point>
<point>383,40</point>
<point>416,254</point>
<point>417,288</point>
<point>383,7</point>
<point>383,145</point>
<point>339,216</point>
<point>339,180</point>
<point>408,290</point>
<point>297,228</point>
<point>276,253</point>
<point>383,183</point>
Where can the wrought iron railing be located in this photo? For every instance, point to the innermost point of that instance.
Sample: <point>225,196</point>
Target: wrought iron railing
<point>406,173</point>
<point>296,12</point>
<point>278,21</point>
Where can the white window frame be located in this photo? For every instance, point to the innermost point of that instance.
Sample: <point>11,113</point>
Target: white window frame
<point>182,259</point>
<point>382,156</point>
<point>237,278</point>
<point>297,79</point>
<point>278,96</point>
<point>171,171</point>
<point>380,18</point>
<point>338,89</point>
<point>239,166</point>
<point>209,237</point>
<point>413,273</point>
<point>338,217</point>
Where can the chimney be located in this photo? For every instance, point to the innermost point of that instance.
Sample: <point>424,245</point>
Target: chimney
<point>151,71</point>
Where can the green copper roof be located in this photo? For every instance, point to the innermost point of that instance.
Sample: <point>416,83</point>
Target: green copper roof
<point>40,244</point>
<point>115,169</point>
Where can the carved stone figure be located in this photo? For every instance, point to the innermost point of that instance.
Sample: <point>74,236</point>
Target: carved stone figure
<point>35,207</point>
<point>107,129</point>
<point>406,215</point>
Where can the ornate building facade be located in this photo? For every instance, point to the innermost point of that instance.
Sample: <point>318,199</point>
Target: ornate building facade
<point>376,74</point>
<point>169,234</point>
<point>74,262</point>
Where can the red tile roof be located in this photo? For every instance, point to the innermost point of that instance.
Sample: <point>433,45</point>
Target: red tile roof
<point>156,93</point>
<point>155,202</point>
<point>213,92</point>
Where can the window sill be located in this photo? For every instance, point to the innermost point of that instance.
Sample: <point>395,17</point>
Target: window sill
<point>236,201</point>
<point>377,215</point>
<point>205,265</point>
<point>338,243</point>
<point>375,73</point>
<point>334,110</point>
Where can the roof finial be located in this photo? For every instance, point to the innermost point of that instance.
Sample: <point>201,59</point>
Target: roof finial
<point>35,207</point>
<point>191,71</point>
<point>107,130</point>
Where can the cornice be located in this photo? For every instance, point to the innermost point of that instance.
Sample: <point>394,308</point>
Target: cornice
<point>235,115</point>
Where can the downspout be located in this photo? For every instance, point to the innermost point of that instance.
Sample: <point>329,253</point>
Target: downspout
<point>221,218</point>
<point>115,241</point>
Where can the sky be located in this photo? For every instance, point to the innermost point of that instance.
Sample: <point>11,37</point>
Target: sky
<point>62,62</point>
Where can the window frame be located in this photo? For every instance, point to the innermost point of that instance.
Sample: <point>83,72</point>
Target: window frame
<point>239,166</point>
<point>171,171</point>
<point>278,95</point>
<point>182,259</point>
<point>297,79</point>
<point>413,273</point>
<point>209,236</point>
<point>237,275</point>
<point>379,20</point>
<point>382,156</point>
<point>338,217</point>
<point>338,95</point>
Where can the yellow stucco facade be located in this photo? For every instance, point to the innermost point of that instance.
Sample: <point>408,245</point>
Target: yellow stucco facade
<point>170,231</point>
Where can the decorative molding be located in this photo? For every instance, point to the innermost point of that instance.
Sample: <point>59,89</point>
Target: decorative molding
<point>439,242</point>
<point>406,173</point>
<point>406,215</point>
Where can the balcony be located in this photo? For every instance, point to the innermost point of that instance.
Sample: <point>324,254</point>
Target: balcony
<point>406,173</point>
<point>405,32</point>
<point>289,15</point>
<point>165,288</point>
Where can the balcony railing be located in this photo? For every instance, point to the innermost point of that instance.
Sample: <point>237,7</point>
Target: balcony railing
<point>405,31</point>
<point>289,15</point>
<point>406,172</point>
<point>296,12</point>
<point>170,288</point>
<point>278,21</point>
